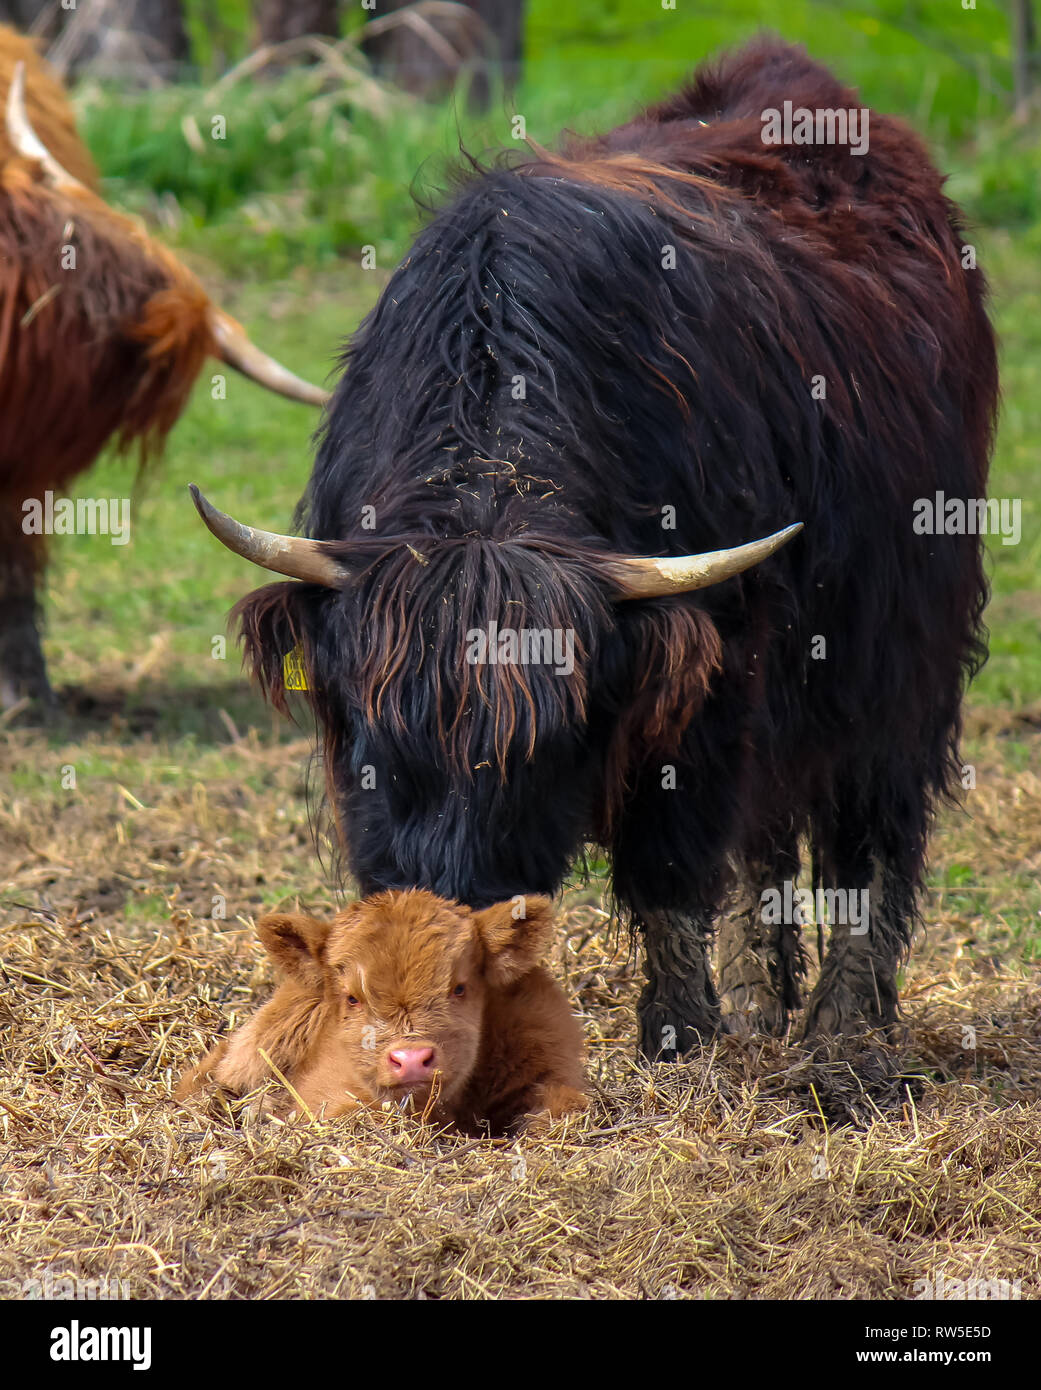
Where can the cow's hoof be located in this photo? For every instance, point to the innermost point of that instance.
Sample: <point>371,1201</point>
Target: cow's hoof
<point>668,1034</point>
<point>839,1012</point>
<point>753,1008</point>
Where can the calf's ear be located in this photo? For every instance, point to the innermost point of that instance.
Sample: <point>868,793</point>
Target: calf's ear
<point>514,934</point>
<point>296,943</point>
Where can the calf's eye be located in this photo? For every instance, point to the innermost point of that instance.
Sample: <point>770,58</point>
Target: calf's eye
<point>351,1000</point>
<point>459,991</point>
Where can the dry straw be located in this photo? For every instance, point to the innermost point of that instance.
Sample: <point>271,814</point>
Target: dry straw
<point>757,1171</point>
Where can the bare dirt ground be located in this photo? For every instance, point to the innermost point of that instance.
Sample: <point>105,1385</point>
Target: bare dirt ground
<point>753,1171</point>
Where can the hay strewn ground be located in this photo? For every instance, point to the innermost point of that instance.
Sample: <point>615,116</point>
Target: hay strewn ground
<point>754,1172</point>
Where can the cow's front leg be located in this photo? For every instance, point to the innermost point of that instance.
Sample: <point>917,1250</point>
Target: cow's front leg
<point>679,1007</point>
<point>874,870</point>
<point>857,987</point>
<point>671,875</point>
<point>760,961</point>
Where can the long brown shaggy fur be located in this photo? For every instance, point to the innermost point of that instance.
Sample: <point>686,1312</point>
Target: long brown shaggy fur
<point>102,335</point>
<point>109,342</point>
<point>409,970</point>
<point>109,345</point>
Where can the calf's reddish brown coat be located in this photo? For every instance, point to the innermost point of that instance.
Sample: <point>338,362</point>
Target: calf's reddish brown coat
<point>405,995</point>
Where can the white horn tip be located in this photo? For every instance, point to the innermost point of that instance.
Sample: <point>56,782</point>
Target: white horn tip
<point>201,505</point>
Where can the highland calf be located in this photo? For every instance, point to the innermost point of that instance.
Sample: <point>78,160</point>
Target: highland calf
<point>412,999</point>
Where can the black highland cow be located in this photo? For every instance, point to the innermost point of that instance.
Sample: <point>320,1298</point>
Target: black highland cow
<point>580,349</point>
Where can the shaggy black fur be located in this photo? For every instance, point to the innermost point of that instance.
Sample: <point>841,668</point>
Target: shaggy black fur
<point>533,388</point>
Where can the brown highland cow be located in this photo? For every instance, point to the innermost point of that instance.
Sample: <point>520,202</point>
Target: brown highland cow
<point>102,334</point>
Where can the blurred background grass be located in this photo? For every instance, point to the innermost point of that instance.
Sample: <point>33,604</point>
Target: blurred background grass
<point>306,175</point>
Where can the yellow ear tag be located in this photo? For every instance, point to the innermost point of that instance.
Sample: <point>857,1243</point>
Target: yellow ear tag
<point>293,677</point>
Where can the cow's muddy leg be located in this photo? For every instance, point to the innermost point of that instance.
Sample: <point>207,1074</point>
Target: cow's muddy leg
<point>760,959</point>
<point>857,989</point>
<point>679,1008</point>
<point>875,911</point>
<point>672,873</point>
<point>23,673</point>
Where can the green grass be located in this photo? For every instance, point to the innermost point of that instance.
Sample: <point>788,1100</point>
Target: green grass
<point>307,175</point>
<point>608,53</point>
<point>1013,674</point>
<point>250,452</point>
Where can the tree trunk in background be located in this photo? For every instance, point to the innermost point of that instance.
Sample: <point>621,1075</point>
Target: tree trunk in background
<point>428,53</point>
<point>505,20</point>
<point>1025,57</point>
<point>137,40</point>
<point>278,20</point>
<point>162,21</point>
<point>43,18</point>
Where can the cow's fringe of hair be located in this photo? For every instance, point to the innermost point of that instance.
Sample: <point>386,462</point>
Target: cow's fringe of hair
<point>406,614</point>
<point>409,638</point>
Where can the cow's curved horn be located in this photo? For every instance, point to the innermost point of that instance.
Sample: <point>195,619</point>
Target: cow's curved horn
<point>26,142</point>
<point>235,348</point>
<point>294,556</point>
<point>657,577</point>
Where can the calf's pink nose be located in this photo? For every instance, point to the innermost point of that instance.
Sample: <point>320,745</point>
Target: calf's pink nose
<point>411,1063</point>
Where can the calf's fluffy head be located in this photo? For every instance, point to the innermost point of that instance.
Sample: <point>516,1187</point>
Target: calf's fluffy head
<point>404,978</point>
